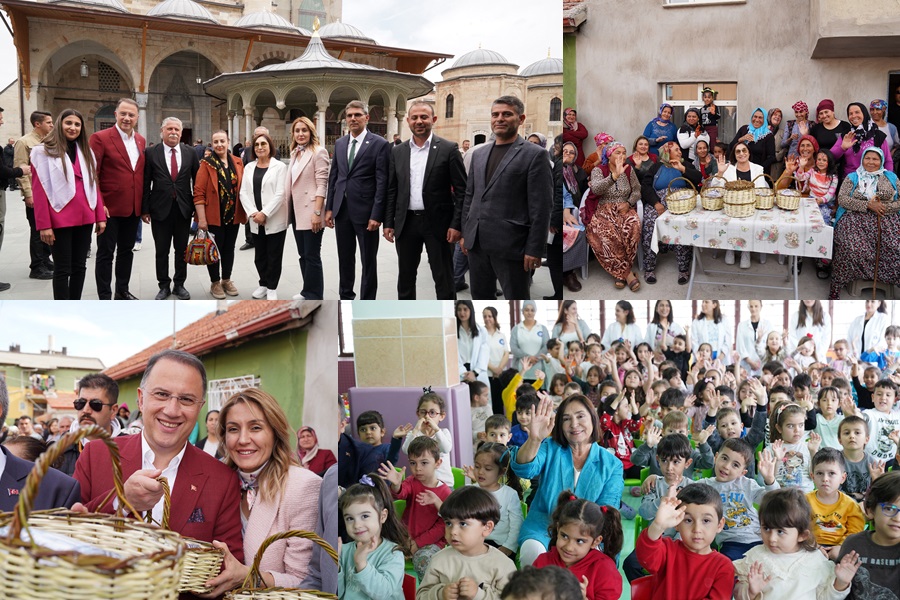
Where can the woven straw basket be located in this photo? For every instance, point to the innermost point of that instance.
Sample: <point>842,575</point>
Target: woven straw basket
<point>740,201</point>
<point>682,200</point>
<point>765,197</point>
<point>202,560</point>
<point>148,566</point>
<point>712,198</point>
<point>788,199</point>
<point>251,590</point>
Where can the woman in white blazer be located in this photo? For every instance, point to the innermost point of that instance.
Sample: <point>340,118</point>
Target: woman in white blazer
<point>751,339</point>
<point>473,345</point>
<point>866,332</point>
<point>811,318</point>
<point>276,494</point>
<point>262,196</point>
<point>623,328</point>
<point>709,327</point>
<point>305,188</point>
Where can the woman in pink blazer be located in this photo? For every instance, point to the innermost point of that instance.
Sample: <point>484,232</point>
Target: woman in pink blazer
<point>67,201</point>
<point>305,197</point>
<point>277,495</point>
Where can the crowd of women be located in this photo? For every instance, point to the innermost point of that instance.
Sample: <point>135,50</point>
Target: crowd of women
<point>614,197</point>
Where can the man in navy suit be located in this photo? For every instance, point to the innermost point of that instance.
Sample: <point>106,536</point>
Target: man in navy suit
<point>506,214</point>
<point>357,192</point>
<point>169,172</point>
<point>56,491</point>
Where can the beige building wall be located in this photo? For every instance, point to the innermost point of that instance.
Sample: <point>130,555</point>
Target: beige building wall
<point>765,46</point>
<point>12,123</point>
<point>540,90</point>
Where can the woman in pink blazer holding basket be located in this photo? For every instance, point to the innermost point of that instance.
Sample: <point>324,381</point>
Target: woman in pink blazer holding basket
<point>277,495</point>
<point>305,197</point>
<point>67,202</point>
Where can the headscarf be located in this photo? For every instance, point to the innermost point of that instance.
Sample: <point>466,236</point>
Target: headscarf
<point>878,105</point>
<point>569,172</point>
<point>659,113</point>
<point>572,126</point>
<point>306,456</point>
<point>541,137</point>
<point>664,154</point>
<point>868,180</point>
<point>687,128</point>
<point>603,138</point>
<point>867,130</point>
<point>607,152</point>
<point>759,132</point>
<point>811,139</point>
<point>826,104</point>
<point>769,121</point>
<point>800,107</point>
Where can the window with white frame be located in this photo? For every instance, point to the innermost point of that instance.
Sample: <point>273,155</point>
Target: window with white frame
<point>683,96</point>
<point>220,390</point>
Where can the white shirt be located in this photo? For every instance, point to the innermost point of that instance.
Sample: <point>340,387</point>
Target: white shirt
<point>359,143</point>
<point>418,158</point>
<point>177,150</point>
<point>211,446</point>
<point>130,146</point>
<point>170,472</point>
<point>2,462</point>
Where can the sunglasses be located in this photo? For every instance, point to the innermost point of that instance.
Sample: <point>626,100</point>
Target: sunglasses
<point>95,405</point>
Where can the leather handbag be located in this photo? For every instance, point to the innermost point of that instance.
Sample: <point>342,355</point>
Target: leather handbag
<point>202,250</point>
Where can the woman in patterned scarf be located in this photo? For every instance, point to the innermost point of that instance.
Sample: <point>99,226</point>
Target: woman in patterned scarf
<point>219,211</point>
<point>759,140</point>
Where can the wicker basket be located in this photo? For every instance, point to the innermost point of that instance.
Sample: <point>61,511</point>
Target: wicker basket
<point>149,561</point>
<point>765,197</point>
<point>251,588</point>
<point>712,198</point>
<point>682,200</point>
<point>202,560</point>
<point>740,201</point>
<point>788,199</point>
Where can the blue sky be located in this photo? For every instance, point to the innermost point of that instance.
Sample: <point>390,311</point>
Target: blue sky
<point>110,331</point>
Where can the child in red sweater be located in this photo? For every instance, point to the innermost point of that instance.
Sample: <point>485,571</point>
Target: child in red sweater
<point>687,569</point>
<point>425,525</point>
<point>577,527</point>
<point>620,422</point>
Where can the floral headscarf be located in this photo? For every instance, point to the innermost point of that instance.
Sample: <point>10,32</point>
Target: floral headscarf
<point>762,131</point>
<point>659,113</point>
<point>603,138</point>
<point>665,153</point>
<point>868,180</point>
<point>607,152</point>
<point>800,107</point>
<point>878,105</point>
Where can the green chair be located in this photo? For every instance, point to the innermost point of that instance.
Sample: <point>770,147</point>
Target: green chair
<point>459,477</point>
<point>524,509</point>
<point>399,508</point>
<point>638,442</point>
<point>645,472</point>
<point>640,524</point>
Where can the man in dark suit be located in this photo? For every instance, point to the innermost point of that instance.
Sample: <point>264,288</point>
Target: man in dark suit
<point>426,190</point>
<point>56,490</point>
<point>206,494</point>
<point>169,172</point>
<point>506,214</point>
<point>119,152</point>
<point>357,192</point>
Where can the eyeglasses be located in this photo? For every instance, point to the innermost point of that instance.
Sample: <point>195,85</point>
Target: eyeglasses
<point>430,413</point>
<point>742,152</point>
<point>889,510</point>
<point>163,397</point>
<point>95,405</point>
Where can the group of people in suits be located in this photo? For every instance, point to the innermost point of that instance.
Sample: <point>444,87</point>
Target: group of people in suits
<point>259,489</point>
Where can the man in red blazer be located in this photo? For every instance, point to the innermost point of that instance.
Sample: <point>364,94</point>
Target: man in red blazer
<point>119,152</point>
<point>206,495</point>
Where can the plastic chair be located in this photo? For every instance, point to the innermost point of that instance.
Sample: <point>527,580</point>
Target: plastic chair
<point>524,509</point>
<point>645,473</point>
<point>642,588</point>
<point>409,587</point>
<point>459,477</point>
<point>639,525</point>
<point>399,508</point>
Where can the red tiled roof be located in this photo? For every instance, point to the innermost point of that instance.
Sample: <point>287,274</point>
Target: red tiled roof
<point>241,321</point>
<point>63,401</point>
<point>574,13</point>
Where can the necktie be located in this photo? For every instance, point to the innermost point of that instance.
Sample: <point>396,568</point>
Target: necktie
<point>352,154</point>
<point>173,166</point>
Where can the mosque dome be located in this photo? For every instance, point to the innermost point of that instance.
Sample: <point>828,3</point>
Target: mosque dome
<point>344,32</point>
<point>315,56</point>
<point>266,19</point>
<point>110,4</point>
<point>480,56</point>
<point>545,66</point>
<point>182,9</point>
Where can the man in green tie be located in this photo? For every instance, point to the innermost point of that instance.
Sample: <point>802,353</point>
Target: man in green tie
<point>357,190</point>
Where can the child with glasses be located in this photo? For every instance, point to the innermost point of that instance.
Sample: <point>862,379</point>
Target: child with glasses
<point>878,576</point>
<point>430,413</point>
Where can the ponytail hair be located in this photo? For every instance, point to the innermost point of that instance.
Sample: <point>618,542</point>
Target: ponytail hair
<point>594,521</point>
<point>373,490</point>
<point>501,456</point>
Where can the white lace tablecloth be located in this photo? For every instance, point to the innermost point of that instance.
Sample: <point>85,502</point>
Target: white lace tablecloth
<point>800,232</point>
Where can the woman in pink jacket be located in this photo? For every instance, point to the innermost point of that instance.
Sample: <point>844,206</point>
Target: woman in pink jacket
<point>277,495</point>
<point>305,197</point>
<point>67,201</point>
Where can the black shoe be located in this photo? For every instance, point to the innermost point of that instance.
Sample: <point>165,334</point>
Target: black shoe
<point>126,296</point>
<point>4,286</point>
<point>499,293</point>
<point>163,293</point>
<point>462,286</point>
<point>41,274</point>
<point>246,246</point>
<point>179,292</point>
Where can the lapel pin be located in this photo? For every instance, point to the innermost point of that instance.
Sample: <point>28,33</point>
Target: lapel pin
<point>193,488</point>
<point>12,491</point>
